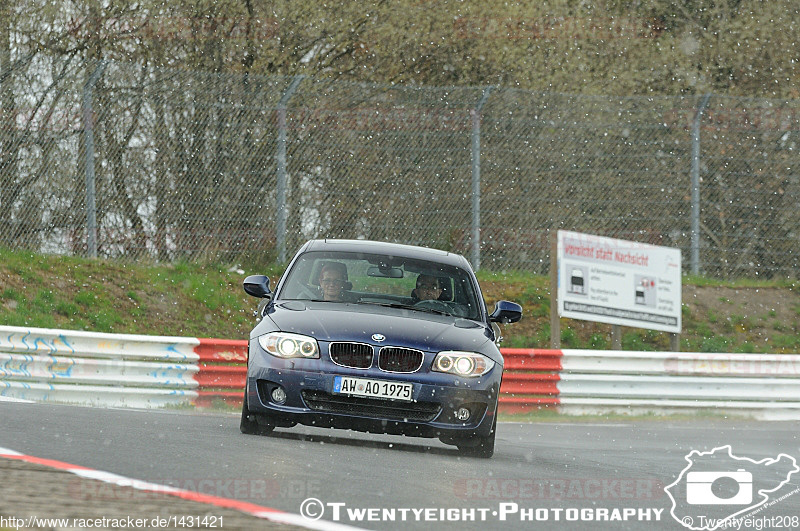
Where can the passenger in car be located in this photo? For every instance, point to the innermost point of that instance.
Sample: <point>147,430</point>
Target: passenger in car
<point>333,281</point>
<point>428,288</point>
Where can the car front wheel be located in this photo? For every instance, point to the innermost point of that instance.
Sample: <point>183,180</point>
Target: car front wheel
<point>481,446</point>
<point>249,424</point>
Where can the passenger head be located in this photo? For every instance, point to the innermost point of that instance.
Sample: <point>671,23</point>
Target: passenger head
<point>333,280</point>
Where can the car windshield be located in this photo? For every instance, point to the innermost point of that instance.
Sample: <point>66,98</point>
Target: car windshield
<point>360,278</point>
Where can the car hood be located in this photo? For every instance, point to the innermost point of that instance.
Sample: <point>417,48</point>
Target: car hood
<point>359,322</point>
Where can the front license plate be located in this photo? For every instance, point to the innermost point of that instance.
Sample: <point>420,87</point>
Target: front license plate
<point>372,388</point>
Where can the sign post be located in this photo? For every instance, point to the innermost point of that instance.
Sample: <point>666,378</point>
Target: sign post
<point>555,322</point>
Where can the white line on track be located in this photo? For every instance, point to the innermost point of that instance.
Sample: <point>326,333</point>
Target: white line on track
<point>266,513</point>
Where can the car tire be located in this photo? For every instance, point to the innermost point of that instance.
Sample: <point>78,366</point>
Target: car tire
<point>480,446</point>
<point>249,424</point>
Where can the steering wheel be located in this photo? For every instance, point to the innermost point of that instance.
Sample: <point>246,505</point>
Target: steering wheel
<point>458,310</point>
<point>306,291</point>
<point>434,304</point>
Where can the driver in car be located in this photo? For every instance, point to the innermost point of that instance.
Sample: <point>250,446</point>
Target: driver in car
<point>333,281</point>
<point>428,288</point>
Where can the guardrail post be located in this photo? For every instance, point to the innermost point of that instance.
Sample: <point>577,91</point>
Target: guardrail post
<point>476,178</point>
<point>695,265</point>
<point>280,229</point>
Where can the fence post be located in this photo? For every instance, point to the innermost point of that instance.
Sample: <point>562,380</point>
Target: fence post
<point>280,230</point>
<point>695,265</point>
<point>476,178</point>
<point>88,132</point>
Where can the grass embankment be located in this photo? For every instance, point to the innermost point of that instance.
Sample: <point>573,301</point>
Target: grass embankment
<point>206,300</point>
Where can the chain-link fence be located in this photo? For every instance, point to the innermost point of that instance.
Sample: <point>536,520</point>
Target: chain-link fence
<point>123,160</point>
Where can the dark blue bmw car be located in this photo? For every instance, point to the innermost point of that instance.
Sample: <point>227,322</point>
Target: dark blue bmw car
<point>376,337</point>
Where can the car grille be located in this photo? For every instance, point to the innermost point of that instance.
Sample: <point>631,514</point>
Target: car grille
<point>393,359</point>
<point>371,407</point>
<point>354,355</point>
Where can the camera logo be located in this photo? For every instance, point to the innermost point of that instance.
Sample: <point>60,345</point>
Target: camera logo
<point>727,486</point>
<point>712,488</point>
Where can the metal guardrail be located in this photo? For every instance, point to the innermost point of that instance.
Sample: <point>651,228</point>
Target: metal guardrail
<point>764,386</point>
<point>109,370</point>
<point>223,370</point>
<point>149,371</point>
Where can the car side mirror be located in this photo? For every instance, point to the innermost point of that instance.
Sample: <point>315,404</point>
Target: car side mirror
<point>257,286</point>
<point>506,312</point>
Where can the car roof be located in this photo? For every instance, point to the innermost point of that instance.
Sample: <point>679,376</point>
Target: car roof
<point>387,248</point>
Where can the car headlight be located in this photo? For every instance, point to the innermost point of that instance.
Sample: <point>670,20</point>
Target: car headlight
<point>466,364</point>
<point>283,345</point>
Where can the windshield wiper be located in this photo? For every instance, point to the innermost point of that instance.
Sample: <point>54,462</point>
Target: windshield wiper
<point>431,310</point>
<point>310,300</point>
<point>407,307</point>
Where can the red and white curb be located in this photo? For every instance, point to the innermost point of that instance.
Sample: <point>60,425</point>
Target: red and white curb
<point>266,513</point>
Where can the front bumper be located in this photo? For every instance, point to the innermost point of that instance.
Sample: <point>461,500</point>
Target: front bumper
<point>310,400</point>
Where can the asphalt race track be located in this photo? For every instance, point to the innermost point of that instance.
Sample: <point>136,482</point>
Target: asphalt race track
<point>562,475</point>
